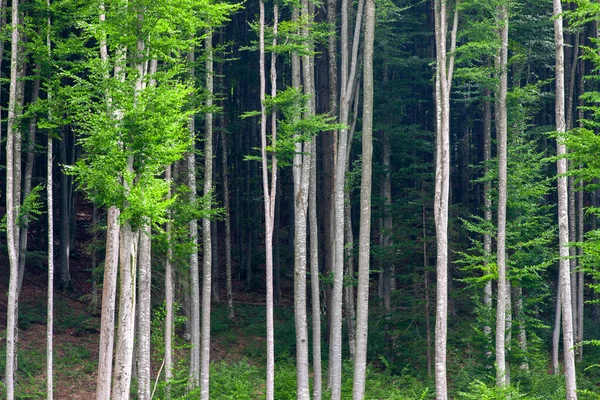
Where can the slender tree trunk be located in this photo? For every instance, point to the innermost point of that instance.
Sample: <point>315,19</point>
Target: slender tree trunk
<point>50,205</point>
<point>386,234</point>
<point>563,218</point>
<point>109,291</point>
<point>556,332</point>
<point>580,274</point>
<point>127,300</point>
<point>206,236</point>
<point>168,295</point>
<point>572,250</point>
<point>522,335</point>
<point>487,206</point>
<point>227,221</point>
<point>362,307</point>
<point>314,276</point>
<point>65,219</point>
<point>427,300</point>
<point>144,309</point>
<point>194,267</point>
<point>580,277</point>
<point>348,71</point>
<point>269,188</point>
<point>277,248</point>
<point>348,300</point>
<point>301,173</point>
<point>29,163</point>
<point>12,203</point>
<point>443,81</point>
<point>501,133</point>
<point>309,87</point>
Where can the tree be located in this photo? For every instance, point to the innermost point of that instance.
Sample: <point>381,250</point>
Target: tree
<point>49,195</point>
<point>269,185</point>
<point>563,222</point>
<point>12,204</point>
<point>362,307</point>
<point>501,134</point>
<point>443,81</point>
<point>194,268</point>
<point>206,233</point>
<point>349,67</point>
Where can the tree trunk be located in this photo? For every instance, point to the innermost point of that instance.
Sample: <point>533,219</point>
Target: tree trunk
<point>144,309</point>
<point>572,250</point>
<point>556,331</point>
<point>580,277</point>
<point>194,267</point>
<point>522,335</point>
<point>269,188</point>
<point>348,71</point>
<point>127,300</point>
<point>443,81</point>
<point>301,174</point>
<point>348,301</point>
<point>206,234</point>
<point>168,295</point>
<point>388,267</point>
<point>563,217</point>
<point>487,207</point>
<point>29,162</point>
<point>227,221</point>
<point>362,306</point>
<point>580,274</point>
<point>65,219</point>
<point>12,204</point>
<point>314,276</point>
<point>501,133</point>
<point>50,205</point>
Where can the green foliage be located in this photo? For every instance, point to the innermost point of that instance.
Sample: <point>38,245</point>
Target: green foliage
<point>32,207</point>
<point>480,391</point>
<point>295,125</point>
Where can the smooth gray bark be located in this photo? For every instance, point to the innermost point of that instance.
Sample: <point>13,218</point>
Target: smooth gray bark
<point>169,295</point>
<point>522,332</point>
<point>269,187</point>
<point>109,291</point>
<point>50,205</point>
<point>127,300</point>
<point>65,219</point>
<point>580,275</point>
<point>194,265</point>
<point>556,331</point>
<point>563,218</point>
<point>144,309</point>
<point>314,277</point>
<point>501,136</point>
<point>227,221</point>
<point>487,206</point>
<point>301,173</point>
<point>443,81</point>
<point>206,233</point>
<point>349,66</point>
<point>29,163</point>
<point>12,203</point>
<point>362,305</point>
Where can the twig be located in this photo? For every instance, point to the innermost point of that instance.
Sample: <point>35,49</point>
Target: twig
<point>157,376</point>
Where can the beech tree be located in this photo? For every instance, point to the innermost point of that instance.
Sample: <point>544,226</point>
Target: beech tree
<point>443,82</point>
<point>563,218</point>
<point>501,134</point>
<point>12,205</point>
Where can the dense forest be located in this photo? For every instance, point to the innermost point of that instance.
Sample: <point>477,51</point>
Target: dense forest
<point>364,199</point>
